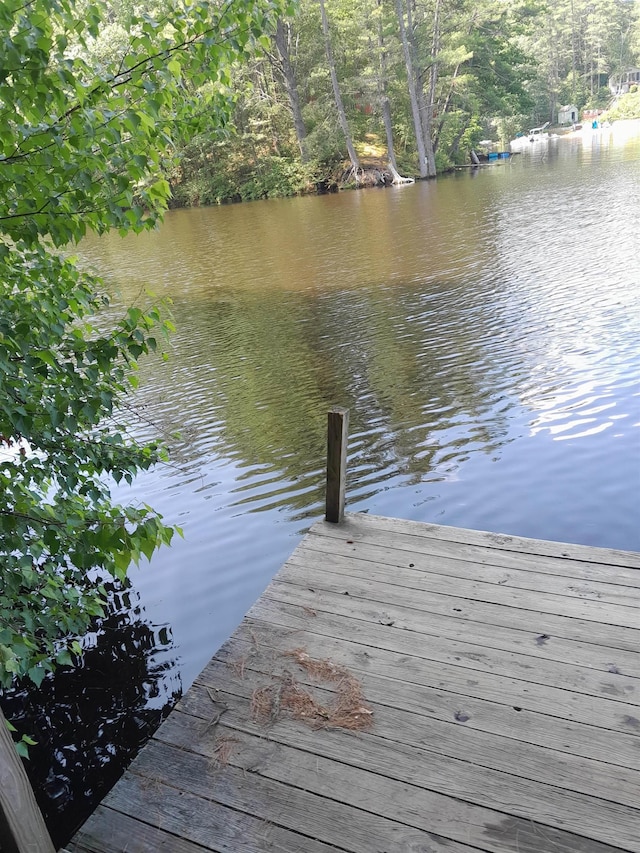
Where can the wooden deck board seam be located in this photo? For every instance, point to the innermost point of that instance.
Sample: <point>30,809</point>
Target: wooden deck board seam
<point>548,603</point>
<point>557,694</point>
<point>618,681</point>
<point>384,742</point>
<point>611,658</point>
<point>489,540</point>
<point>304,838</point>
<point>387,560</point>
<point>570,627</point>
<point>574,812</point>
<point>289,792</point>
<point>585,729</point>
<point>362,815</point>
<point>390,554</point>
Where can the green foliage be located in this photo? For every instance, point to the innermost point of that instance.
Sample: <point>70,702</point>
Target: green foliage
<point>500,63</point>
<point>99,136</point>
<point>276,177</point>
<point>580,46</point>
<point>325,140</point>
<point>499,67</point>
<point>482,69</point>
<point>61,382</point>
<point>84,142</point>
<point>22,746</point>
<point>626,107</point>
<point>507,127</point>
<point>600,99</point>
<point>213,173</point>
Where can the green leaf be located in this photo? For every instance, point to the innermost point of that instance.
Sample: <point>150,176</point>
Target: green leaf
<point>174,68</point>
<point>64,658</point>
<point>22,749</point>
<point>37,674</point>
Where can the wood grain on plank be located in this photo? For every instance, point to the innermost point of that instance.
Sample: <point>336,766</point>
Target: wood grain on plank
<point>347,807</point>
<point>430,742</point>
<point>22,827</point>
<point>458,608</point>
<point>109,831</point>
<point>165,800</point>
<point>401,677</point>
<point>399,566</point>
<point>562,552</point>
<point>417,631</point>
<point>398,778</point>
<point>300,570</point>
<point>514,722</point>
<point>580,679</point>
<point>504,679</point>
<point>308,817</point>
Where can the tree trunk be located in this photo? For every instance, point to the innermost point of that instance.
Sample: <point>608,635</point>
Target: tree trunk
<point>288,75</point>
<point>428,111</point>
<point>425,109</point>
<point>342,116</point>
<point>554,72</point>
<point>445,108</point>
<point>385,106</point>
<point>574,87</point>
<point>412,84</point>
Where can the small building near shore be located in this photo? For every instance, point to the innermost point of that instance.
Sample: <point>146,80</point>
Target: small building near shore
<point>568,114</point>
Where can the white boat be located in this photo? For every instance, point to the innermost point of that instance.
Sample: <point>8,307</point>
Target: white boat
<point>536,136</point>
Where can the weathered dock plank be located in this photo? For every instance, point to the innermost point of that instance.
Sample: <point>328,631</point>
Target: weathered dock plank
<point>506,638</point>
<point>583,582</point>
<point>493,716</point>
<point>436,740</point>
<point>517,546</point>
<point>497,707</point>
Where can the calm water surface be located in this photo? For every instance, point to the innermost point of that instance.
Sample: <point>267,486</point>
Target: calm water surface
<point>483,330</point>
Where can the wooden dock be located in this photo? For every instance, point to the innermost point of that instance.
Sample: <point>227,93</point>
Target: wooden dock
<point>405,688</point>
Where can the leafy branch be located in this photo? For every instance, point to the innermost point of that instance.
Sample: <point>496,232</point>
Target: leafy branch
<point>82,147</point>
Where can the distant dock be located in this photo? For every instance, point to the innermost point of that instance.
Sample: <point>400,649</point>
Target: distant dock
<point>405,688</point>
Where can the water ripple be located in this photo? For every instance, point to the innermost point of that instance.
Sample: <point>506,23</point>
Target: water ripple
<point>482,331</point>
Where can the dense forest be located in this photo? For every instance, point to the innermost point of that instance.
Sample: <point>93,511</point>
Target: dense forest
<point>347,89</point>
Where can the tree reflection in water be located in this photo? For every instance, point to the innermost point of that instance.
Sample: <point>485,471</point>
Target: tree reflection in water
<point>90,721</point>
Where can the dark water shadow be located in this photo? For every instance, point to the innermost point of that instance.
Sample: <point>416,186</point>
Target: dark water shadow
<point>90,721</point>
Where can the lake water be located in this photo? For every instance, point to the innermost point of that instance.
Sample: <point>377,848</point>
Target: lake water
<point>482,329</point>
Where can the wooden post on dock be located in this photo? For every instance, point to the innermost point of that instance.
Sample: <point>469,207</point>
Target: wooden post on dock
<point>337,434</point>
<point>22,827</point>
